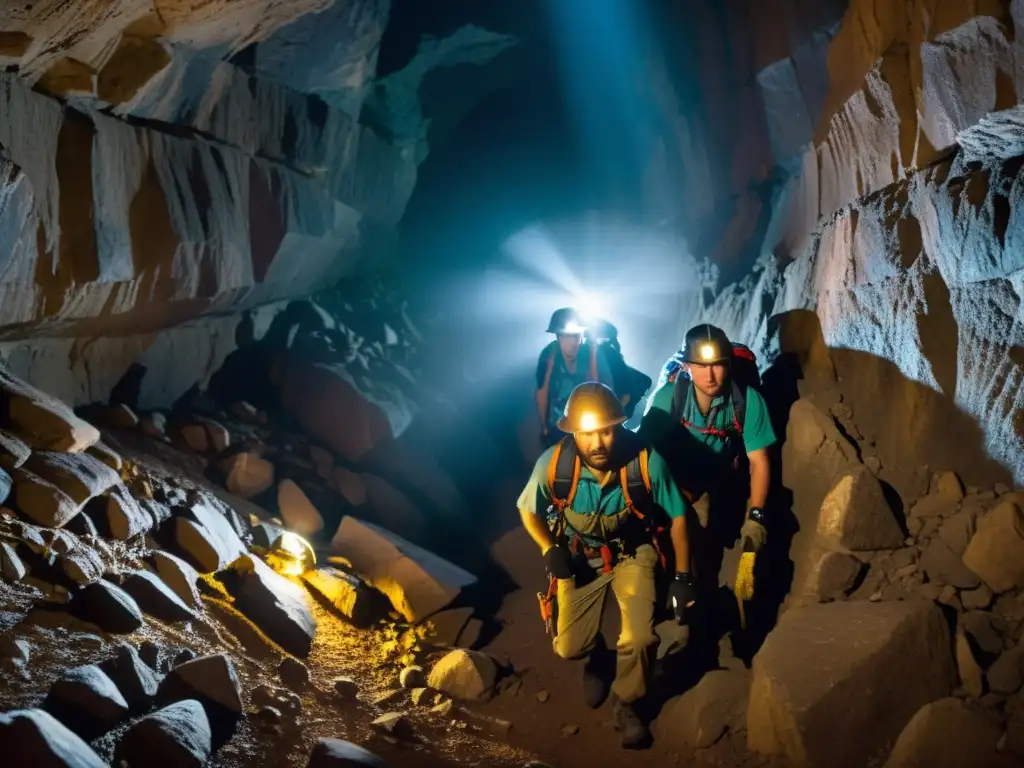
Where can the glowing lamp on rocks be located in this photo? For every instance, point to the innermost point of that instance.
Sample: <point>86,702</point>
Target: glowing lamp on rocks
<point>588,422</point>
<point>292,555</point>
<point>707,351</point>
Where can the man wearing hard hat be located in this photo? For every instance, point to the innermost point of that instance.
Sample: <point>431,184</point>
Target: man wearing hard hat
<point>711,424</point>
<point>605,513</point>
<point>563,364</point>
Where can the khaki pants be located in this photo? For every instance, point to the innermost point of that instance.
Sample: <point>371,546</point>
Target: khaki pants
<point>579,619</point>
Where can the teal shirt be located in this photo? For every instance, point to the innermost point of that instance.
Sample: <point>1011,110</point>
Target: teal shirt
<point>563,382</point>
<point>697,459</point>
<point>591,499</point>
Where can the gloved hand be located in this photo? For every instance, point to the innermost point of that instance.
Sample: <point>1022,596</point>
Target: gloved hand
<point>683,594</point>
<point>753,535</point>
<point>558,562</point>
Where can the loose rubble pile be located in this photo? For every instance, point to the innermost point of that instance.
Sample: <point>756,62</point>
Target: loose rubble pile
<point>107,554</point>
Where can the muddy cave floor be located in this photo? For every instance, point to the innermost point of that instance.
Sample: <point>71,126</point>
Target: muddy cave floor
<point>473,734</point>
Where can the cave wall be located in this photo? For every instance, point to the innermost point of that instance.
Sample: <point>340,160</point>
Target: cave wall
<point>168,173</point>
<point>895,223</point>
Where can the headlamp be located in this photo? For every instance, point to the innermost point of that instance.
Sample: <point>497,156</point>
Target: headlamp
<point>707,352</point>
<point>291,555</point>
<point>588,422</point>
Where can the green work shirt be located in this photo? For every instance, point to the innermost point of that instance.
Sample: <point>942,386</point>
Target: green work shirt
<point>592,499</point>
<point>698,459</point>
<point>563,382</point>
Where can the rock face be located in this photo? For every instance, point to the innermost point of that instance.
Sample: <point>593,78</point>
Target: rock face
<point>871,665</point>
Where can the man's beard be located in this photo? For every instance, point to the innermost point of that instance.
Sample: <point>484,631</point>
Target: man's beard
<point>600,459</point>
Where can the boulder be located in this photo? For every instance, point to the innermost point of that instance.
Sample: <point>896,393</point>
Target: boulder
<point>177,736</point>
<point>80,476</point>
<point>208,540</point>
<point>297,510</point>
<point>107,606</point>
<point>417,582</point>
<point>133,677</point>
<point>41,501</point>
<point>350,485</point>
<point>957,532</point>
<point>934,505</point>
<point>346,594</point>
<point>220,438</point>
<point>868,665</point>
<point>41,421</point>
<point>33,737</point>
<point>1006,675</point>
<point>944,567</point>
<point>830,575</point>
<point>948,484</point>
<point>856,515</point>
<point>156,598</point>
<point>181,577</point>
<point>87,702</point>
<point>463,674</point>
<point>947,734</point>
<point>195,437</point>
<point>702,715</point>
<point>126,517</point>
<point>13,451</point>
<point>82,566</point>
<point>107,455</point>
<point>213,682</point>
<point>11,566</point>
<point>276,605</point>
<point>996,551</point>
<point>247,474</point>
<point>336,753</point>
<point>971,674</point>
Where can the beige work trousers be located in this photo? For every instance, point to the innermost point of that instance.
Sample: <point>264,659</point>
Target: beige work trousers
<point>579,619</point>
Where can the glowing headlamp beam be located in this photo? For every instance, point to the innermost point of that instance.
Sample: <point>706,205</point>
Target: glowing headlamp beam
<point>707,352</point>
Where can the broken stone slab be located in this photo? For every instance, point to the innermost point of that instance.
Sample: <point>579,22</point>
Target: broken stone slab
<point>133,677</point>
<point>154,597</point>
<point>247,474</point>
<point>702,715</point>
<point>87,702</point>
<point>80,476</point>
<point>944,567</point>
<point>831,575</point>
<point>278,606</point>
<point>856,515</point>
<point>181,577</point>
<point>948,734</point>
<point>208,540</point>
<point>13,451</point>
<point>177,736</point>
<point>107,606</point>
<point>213,682</point>
<point>336,753</point>
<point>996,551</point>
<point>33,737</point>
<point>43,422</point>
<point>297,510</point>
<point>463,674</point>
<point>41,501</point>
<point>346,594</point>
<point>868,665</point>
<point>417,582</point>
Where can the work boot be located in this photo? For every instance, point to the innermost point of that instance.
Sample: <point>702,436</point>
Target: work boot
<point>634,733</point>
<point>594,689</point>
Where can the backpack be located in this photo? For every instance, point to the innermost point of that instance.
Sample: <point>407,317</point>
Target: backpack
<point>547,367</point>
<point>743,374</point>
<point>564,477</point>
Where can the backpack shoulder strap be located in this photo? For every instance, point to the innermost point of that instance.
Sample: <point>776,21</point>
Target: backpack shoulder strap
<point>635,480</point>
<point>739,405</point>
<point>564,472</point>
<point>679,392</point>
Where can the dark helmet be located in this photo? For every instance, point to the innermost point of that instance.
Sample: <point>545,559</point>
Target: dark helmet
<point>706,345</point>
<point>591,406</point>
<point>566,320</point>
